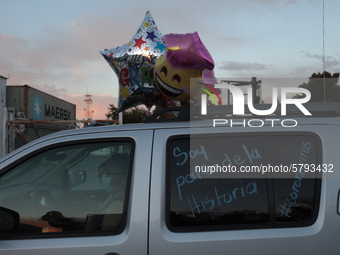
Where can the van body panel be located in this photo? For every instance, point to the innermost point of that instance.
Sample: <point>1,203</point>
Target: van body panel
<point>132,239</point>
<point>147,229</point>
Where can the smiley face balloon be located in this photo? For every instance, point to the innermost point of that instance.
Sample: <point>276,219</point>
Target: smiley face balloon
<point>185,58</point>
<point>174,83</point>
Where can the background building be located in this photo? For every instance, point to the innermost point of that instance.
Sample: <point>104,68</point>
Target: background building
<point>2,113</point>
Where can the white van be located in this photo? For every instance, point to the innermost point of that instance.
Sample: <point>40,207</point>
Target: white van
<point>242,186</point>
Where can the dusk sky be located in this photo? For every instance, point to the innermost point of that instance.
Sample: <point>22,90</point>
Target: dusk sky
<point>54,46</point>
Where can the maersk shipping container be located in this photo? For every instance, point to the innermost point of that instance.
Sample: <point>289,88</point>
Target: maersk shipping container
<point>38,105</point>
<point>33,104</point>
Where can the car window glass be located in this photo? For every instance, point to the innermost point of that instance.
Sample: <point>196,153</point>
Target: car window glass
<point>294,195</point>
<point>70,188</point>
<point>201,200</point>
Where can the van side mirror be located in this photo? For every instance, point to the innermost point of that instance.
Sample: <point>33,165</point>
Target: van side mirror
<point>9,219</point>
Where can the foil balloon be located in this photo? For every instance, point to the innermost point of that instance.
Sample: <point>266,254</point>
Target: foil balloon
<point>133,63</point>
<point>185,71</point>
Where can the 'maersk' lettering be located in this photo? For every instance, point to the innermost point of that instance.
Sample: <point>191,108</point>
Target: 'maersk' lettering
<point>238,100</point>
<point>57,112</point>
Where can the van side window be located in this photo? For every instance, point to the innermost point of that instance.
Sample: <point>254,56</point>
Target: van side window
<point>201,199</point>
<point>70,189</point>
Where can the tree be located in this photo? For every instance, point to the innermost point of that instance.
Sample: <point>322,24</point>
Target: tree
<point>132,115</point>
<point>113,113</point>
<point>320,82</point>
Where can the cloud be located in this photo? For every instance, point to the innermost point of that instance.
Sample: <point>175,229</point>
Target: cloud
<point>330,61</point>
<point>53,90</point>
<point>272,2</point>
<point>65,61</point>
<point>292,2</point>
<point>60,61</point>
<point>8,40</point>
<point>63,53</point>
<point>10,47</point>
<point>242,66</point>
<point>265,1</point>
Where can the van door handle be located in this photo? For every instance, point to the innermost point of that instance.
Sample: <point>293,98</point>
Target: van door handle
<point>112,253</point>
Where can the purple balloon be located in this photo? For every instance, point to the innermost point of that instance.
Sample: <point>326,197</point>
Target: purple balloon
<point>186,51</point>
